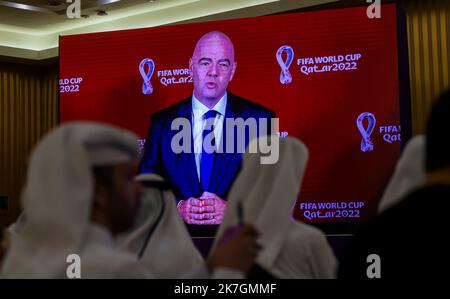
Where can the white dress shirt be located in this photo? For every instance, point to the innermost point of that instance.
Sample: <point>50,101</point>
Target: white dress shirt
<point>198,110</point>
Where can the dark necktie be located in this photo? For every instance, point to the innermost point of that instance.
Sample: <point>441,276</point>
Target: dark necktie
<point>207,158</point>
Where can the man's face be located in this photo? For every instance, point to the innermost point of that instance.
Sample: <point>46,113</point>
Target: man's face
<point>123,198</point>
<point>212,66</point>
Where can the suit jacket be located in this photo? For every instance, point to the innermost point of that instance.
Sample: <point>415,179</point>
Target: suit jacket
<point>180,169</point>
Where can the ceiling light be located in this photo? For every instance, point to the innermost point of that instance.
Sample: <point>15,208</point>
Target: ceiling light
<point>103,2</point>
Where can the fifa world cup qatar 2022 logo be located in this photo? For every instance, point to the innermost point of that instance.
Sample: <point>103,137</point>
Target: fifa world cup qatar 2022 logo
<point>147,87</point>
<point>366,142</point>
<point>285,75</point>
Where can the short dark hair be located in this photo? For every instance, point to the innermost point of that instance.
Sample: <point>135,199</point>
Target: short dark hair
<point>438,133</point>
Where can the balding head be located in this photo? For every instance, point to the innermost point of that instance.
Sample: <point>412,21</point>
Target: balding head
<point>212,66</point>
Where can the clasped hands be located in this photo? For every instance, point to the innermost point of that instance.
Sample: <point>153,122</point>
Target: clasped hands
<point>207,209</point>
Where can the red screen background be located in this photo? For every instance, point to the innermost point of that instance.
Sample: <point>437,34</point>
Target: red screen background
<point>320,109</point>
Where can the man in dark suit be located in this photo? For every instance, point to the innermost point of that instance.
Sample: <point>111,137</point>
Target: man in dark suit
<point>201,179</point>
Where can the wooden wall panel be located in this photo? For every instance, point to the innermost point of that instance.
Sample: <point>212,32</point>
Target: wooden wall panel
<point>28,109</point>
<point>428,27</point>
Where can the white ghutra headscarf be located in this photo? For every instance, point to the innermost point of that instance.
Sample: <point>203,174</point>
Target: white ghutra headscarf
<point>268,192</point>
<point>58,195</point>
<point>408,175</point>
<point>159,237</point>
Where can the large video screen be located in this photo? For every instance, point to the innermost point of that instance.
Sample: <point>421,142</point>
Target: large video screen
<point>331,77</point>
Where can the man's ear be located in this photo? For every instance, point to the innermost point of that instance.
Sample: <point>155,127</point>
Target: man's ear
<point>233,70</point>
<point>191,67</point>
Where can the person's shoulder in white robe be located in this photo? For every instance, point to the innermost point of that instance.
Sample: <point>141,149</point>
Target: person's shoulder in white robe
<point>101,258</point>
<point>316,260</point>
